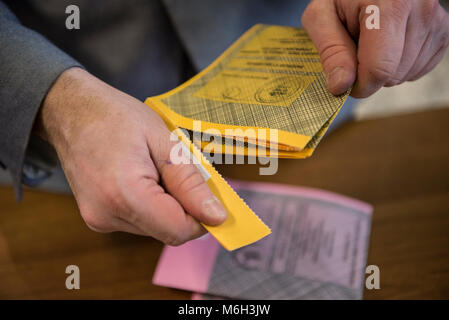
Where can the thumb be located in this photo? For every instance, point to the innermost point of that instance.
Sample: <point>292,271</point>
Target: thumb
<point>184,181</point>
<point>336,48</point>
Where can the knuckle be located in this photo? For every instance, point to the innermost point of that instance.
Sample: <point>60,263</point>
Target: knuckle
<point>113,198</point>
<point>311,13</point>
<point>174,240</point>
<point>428,11</point>
<point>191,179</point>
<point>332,51</point>
<point>111,195</point>
<point>445,40</point>
<point>430,6</point>
<point>99,229</point>
<point>94,223</point>
<point>118,204</point>
<point>383,71</point>
<point>393,82</point>
<point>392,10</point>
<point>443,29</point>
<point>398,9</point>
<point>360,94</point>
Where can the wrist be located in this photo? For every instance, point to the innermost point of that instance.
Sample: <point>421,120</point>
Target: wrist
<point>67,105</point>
<point>52,114</point>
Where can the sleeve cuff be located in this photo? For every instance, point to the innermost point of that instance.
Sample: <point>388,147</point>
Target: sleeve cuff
<point>29,65</point>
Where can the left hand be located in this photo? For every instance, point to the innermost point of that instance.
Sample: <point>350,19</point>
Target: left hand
<point>411,41</point>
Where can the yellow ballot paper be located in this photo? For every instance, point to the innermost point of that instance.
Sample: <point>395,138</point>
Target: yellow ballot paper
<point>270,80</point>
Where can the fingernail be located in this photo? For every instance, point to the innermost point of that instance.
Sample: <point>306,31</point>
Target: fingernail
<point>335,80</point>
<point>213,208</point>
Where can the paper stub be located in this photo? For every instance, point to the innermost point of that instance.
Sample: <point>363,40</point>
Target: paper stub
<point>317,250</point>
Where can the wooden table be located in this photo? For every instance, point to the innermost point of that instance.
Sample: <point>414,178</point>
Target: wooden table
<point>398,164</point>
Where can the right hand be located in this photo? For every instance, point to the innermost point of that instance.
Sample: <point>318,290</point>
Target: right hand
<point>411,41</point>
<point>115,153</point>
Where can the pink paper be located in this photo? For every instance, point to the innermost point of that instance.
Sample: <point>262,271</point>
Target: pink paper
<point>189,265</point>
<point>331,228</point>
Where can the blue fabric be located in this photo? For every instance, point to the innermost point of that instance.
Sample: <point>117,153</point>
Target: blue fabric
<point>207,28</point>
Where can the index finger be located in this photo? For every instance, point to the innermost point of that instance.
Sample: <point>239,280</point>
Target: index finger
<point>380,50</point>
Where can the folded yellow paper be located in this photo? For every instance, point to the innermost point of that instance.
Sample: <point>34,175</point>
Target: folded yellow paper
<point>271,78</point>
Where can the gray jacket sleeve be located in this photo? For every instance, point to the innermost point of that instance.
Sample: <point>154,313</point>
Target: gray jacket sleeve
<point>29,65</point>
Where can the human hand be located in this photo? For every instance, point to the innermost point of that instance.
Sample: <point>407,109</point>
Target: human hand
<point>115,153</point>
<point>412,39</point>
